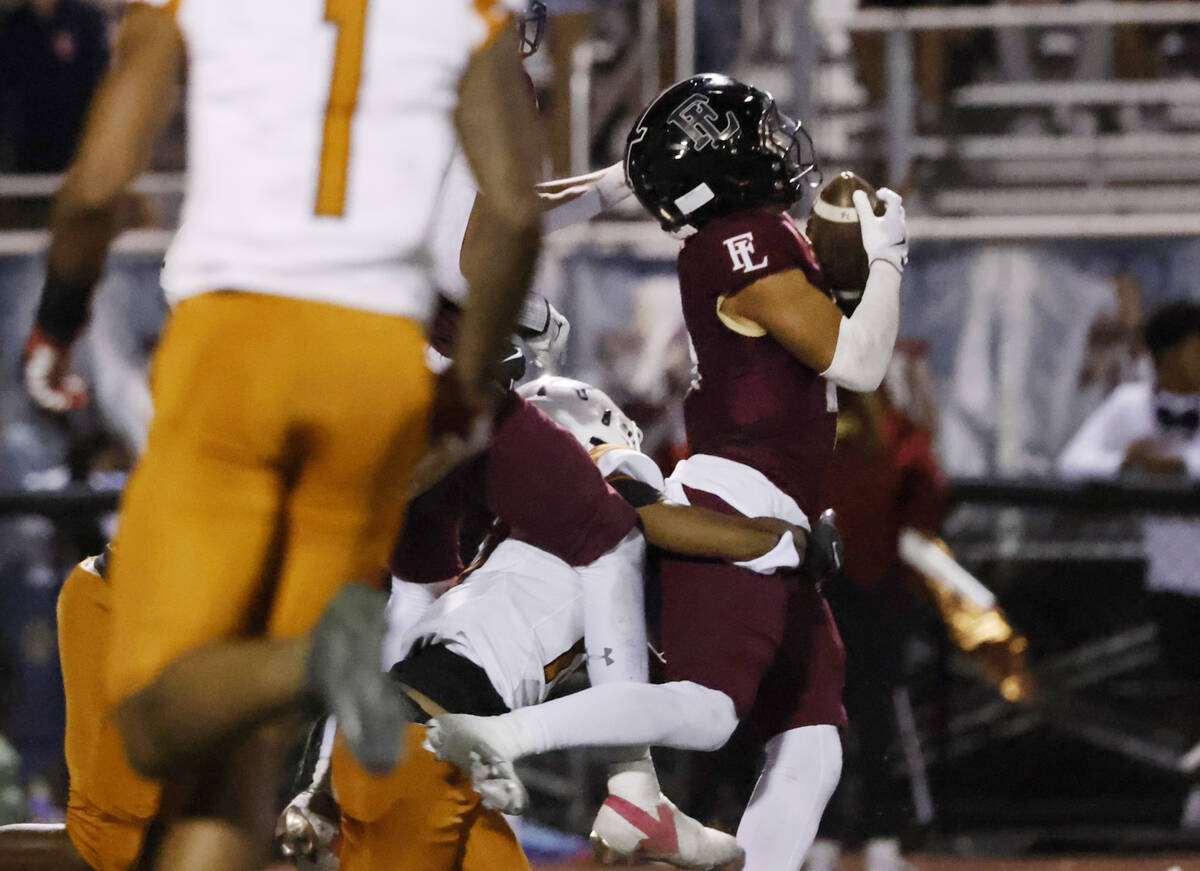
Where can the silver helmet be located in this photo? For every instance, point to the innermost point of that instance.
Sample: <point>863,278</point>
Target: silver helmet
<point>585,411</point>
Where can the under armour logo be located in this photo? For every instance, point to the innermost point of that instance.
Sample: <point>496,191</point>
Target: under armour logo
<point>741,252</point>
<point>607,657</point>
<point>697,118</point>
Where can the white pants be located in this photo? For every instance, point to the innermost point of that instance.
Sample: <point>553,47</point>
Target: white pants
<point>780,823</point>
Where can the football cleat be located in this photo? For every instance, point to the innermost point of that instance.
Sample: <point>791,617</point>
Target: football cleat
<point>307,832</point>
<point>625,833</point>
<point>343,671</point>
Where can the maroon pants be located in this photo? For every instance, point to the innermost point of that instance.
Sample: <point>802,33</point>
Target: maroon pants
<point>769,642</point>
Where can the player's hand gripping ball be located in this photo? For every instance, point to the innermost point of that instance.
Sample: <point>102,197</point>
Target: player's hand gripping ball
<point>851,226</point>
<point>884,237</point>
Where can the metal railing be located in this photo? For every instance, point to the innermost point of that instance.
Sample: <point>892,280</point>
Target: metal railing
<point>903,146</point>
<point>1098,161</point>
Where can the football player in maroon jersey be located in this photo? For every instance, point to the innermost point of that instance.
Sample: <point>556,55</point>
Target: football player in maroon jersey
<point>717,163</point>
<point>565,559</point>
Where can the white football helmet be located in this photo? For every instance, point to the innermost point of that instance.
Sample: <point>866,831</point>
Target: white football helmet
<point>585,411</point>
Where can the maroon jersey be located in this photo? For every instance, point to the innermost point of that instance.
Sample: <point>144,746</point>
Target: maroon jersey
<point>752,401</point>
<point>537,479</point>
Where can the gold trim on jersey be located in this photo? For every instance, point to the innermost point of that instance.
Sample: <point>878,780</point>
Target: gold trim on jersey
<point>495,18</point>
<point>554,669</point>
<point>740,325</point>
<point>350,18</point>
<point>600,450</point>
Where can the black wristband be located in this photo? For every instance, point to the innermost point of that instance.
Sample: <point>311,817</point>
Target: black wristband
<point>637,493</point>
<point>64,309</point>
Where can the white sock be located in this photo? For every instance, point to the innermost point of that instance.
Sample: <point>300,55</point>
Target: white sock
<point>680,714</point>
<point>614,613</point>
<point>614,619</point>
<point>780,822</point>
<point>634,777</point>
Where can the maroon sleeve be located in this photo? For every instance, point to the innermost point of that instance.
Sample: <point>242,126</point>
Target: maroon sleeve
<point>428,548</point>
<point>542,483</point>
<point>736,252</point>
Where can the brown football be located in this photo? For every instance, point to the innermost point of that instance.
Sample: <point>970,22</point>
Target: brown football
<point>834,231</point>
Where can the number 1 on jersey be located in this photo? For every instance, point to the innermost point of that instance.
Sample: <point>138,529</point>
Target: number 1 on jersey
<point>350,16</point>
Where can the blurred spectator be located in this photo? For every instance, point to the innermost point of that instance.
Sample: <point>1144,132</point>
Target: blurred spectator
<point>1152,428</point>
<point>884,478</point>
<point>1149,428</point>
<point>52,54</point>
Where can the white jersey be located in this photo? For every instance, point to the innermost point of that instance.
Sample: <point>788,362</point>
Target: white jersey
<point>319,133</point>
<point>520,616</point>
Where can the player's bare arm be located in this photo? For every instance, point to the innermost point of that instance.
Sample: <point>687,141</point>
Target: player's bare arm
<point>129,108</point>
<point>692,531</point>
<point>797,315</point>
<point>498,127</point>
<point>851,351</point>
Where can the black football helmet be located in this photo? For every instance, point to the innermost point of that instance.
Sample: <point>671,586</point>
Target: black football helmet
<point>710,146</point>
<point>531,26</point>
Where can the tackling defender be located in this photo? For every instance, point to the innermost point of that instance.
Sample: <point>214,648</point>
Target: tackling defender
<point>291,396</point>
<point>525,615</point>
<point>716,163</point>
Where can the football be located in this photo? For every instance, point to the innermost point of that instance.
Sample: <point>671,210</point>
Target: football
<point>835,235</point>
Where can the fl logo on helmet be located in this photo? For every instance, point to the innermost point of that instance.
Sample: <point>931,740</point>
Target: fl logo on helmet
<point>696,117</point>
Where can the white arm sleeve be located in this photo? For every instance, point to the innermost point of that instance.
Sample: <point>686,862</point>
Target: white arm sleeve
<point>600,193</point>
<point>866,339</point>
<point>614,615</point>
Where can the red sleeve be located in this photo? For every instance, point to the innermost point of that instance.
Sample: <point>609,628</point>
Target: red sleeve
<point>924,493</point>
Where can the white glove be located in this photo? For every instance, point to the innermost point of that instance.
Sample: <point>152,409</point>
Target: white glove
<point>612,187</point>
<point>884,237</point>
<point>306,835</point>
<point>549,343</point>
<point>48,376</point>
